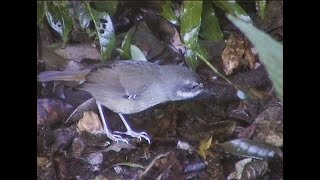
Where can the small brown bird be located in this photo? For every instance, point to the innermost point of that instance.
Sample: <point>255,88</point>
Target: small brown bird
<point>128,87</point>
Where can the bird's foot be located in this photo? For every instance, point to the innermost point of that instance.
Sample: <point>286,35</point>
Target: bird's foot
<point>136,135</point>
<point>116,138</point>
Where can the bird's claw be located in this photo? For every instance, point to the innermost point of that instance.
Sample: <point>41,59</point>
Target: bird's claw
<point>136,135</point>
<point>117,138</point>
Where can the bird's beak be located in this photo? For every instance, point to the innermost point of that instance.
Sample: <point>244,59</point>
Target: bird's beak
<point>207,90</point>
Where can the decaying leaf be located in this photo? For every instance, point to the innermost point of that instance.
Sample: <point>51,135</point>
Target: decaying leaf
<point>254,169</point>
<point>176,42</point>
<point>77,147</point>
<point>218,130</point>
<point>195,166</point>
<point>42,162</point>
<point>147,42</point>
<point>95,158</point>
<point>239,169</point>
<point>204,146</point>
<point>63,138</point>
<point>270,125</point>
<point>185,146</point>
<point>51,111</point>
<point>89,105</point>
<point>117,147</point>
<point>79,52</point>
<point>90,123</point>
<point>238,51</point>
<point>250,148</point>
<point>249,169</point>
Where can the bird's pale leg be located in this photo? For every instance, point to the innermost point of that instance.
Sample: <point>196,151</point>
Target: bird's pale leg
<point>132,133</point>
<point>113,137</point>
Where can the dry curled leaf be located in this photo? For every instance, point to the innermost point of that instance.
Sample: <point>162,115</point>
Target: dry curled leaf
<point>237,52</point>
<point>79,52</point>
<point>51,111</point>
<point>249,169</point>
<point>90,123</point>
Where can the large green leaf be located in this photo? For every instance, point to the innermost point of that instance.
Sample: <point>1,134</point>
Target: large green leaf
<point>167,12</point>
<point>210,28</point>
<point>109,7</point>
<point>59,18</point>
<point>40,13</point>
<point>234,8</point>
<point>269,51</point>
<point>137,54</point>
<point>190,21</point>
<point>126,44</point>
<point>103,26</point>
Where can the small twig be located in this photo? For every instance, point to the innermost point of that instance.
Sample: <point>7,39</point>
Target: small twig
<point>152,163</point>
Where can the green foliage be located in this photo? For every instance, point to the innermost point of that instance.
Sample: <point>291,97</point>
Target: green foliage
<point>269,51</point>
<point>40,13</point>
<point>190,21</point>
<point>109,7</point>
<point>103,26</point>
<point>137,54</point>
<point>234,8</point>
<point>59,18</point>
<point>210,28</point>
<point>125,51</point>
<point>167,12</point>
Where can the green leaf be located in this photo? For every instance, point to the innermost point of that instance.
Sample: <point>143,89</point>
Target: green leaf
<point>190,20</point>
<point>126,44</point>
<point>137,54</point>
<point>40,13</point>
<point>261,7</point>
<point>233,8</point>
<point>167,12</point>
<point>109,7</point>
<point>103,26</point>
<point>59,18</point>
<point>191,59</point>
<point>269,51</point>
<point>210,28</point>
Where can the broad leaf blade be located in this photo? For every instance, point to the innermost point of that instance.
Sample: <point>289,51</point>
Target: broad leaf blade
<point>40,13</point>
<point>59,19</point>
<point>232,7</point>
<point>137,54</point>
<point>126,44</point>
<point>190,25</point>
<point>269,51</point>
<point>167,12</point>
<point>109,7</point>
<point>210,28</point>
<point>104,28</point>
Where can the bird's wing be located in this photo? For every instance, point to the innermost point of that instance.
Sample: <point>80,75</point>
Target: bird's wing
<point>136,76</point>
<point>123,79</point>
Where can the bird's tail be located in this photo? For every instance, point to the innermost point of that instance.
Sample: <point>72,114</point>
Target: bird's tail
<point>62,76</point>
